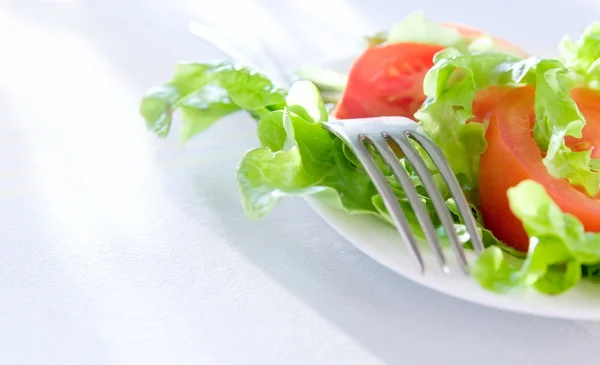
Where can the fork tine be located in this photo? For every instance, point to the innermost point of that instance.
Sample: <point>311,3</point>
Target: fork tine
<point>436,197</point>
<point>381,145</point>
<point>459,197</point>
<point>389,199</point>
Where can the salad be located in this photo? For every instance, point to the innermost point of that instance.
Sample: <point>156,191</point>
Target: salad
<point>520,132</point>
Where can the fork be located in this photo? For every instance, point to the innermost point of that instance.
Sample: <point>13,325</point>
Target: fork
<point>380,132</point>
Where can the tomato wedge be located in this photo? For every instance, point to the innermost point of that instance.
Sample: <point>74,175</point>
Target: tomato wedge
<point>513,156</point>
<point>486,101</point>
<point>387,80</point>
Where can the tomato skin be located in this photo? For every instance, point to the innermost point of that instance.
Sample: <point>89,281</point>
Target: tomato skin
<point>387,80</point>
<point>513,156</point>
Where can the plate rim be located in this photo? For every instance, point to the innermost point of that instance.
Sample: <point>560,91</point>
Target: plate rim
<point>523,302</point>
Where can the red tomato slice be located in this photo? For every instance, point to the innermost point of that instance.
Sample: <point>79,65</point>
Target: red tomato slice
<point>513,156</point>
<point>387,80</point>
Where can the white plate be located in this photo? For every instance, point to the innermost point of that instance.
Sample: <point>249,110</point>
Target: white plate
<point>382,243</point>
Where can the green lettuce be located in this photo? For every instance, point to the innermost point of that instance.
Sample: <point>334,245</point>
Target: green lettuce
<point>559,251</point>
<point>557,116</point>
<point>583,56</point>
<point>205,93</point>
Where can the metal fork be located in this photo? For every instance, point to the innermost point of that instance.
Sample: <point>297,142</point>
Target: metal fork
<point>380,132</point>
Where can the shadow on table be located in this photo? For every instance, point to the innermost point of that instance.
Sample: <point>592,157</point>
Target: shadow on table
<point>373,305</point>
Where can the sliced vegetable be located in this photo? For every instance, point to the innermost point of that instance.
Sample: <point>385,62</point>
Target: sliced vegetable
<point>513,156</point>
<point>387,81</point>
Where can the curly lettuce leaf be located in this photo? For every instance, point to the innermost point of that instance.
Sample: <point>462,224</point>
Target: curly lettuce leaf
<point>305,100</point>
<point>265,177</point>
<point>557,116</point>
<point>206,92</point>
<point>583,56</point>
<point>560,250</point>
<point>314,164</point>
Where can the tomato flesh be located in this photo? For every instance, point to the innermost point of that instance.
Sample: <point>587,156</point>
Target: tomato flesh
<point>387,81</point>
<point>486,101</point>
<point>513,156</point>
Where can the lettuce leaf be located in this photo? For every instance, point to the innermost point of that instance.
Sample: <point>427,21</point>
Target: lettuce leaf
<point>583,56</point>
<point>560,250</point>
<point>557,116</point>
<point>301,158</point>
<point>206,92</point>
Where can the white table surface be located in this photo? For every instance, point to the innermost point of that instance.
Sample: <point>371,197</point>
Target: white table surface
<point>119,248</point>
